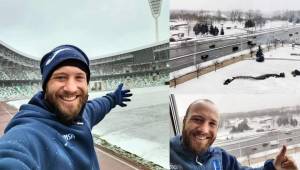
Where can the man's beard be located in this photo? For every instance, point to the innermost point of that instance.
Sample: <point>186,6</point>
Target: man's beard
<point>64,114</point>
<point>193,145</point>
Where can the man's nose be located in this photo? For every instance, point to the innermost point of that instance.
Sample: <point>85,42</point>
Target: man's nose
<point>70,85</point>
<point>204,127</point>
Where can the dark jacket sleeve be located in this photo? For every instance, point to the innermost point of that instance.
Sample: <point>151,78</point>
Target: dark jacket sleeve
<point>16,151</point>
<point>230,162</point>
<point>96,109</point>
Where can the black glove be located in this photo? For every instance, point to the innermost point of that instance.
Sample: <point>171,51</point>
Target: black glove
<point>120,96</point>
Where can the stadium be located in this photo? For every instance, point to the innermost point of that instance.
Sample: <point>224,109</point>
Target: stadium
<point>144,70</point>
<point>141,67</point>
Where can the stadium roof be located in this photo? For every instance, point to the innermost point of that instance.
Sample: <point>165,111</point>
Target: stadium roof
<point>132,50</point>
<point>94,58</point>
<point>18,52</point>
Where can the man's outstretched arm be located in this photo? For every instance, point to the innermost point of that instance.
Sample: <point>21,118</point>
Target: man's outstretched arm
<point>99,107</point>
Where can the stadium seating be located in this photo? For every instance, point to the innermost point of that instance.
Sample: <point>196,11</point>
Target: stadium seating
<point>135,69</point>
<point>137,81</point>
<point>17,92</point>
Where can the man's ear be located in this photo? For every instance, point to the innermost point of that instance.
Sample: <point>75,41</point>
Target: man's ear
<point>184,119</point>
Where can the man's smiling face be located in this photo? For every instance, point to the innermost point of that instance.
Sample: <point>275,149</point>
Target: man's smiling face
<point>200,126</point>
<point>67,91</point>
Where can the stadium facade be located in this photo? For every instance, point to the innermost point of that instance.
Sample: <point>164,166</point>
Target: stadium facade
<point>140,67</point>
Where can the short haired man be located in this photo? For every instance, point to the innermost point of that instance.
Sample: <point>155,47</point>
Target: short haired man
<point>193,149</point>
<point>53,131</point>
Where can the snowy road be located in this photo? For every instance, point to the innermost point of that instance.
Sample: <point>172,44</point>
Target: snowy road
<point>189,53</point>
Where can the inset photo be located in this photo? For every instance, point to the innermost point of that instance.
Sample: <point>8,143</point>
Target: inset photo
<point>234,84</point>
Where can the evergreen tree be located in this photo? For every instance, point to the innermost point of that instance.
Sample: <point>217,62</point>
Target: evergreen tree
<point>206,28</point>
<point>216,31</point>
<point>211,30</point>
<point>283,121</point>
<point>249,23</point>
<point>222,31</point>
<point>260,55</point>
<point>241,127</point>
<point>197,29</point>
<point>203,29</point>
<point>294,122</point>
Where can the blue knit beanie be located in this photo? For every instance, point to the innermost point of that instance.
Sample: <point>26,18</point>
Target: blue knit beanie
<point>62,55</point>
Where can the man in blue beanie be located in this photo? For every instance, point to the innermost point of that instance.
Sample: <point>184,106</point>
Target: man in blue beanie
<point>192,150</point>
<point>53,131</point>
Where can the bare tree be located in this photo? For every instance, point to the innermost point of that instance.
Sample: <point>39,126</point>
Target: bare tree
<point>219,16</point>
<point>236,15</point>
<point>239,15</point>
<point>202,16</point>
<point>233,15</point>
<point>258,18</point>
<point>249,15</point>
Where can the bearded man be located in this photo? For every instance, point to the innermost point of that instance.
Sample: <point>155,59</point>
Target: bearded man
<point>53,131</point>
<point>193,151</point>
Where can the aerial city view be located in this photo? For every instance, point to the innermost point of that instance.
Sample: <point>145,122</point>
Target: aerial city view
<point>245,57</point>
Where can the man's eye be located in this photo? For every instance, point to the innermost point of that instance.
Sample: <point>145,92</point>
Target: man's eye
<point>213,124</point>
<point>60,78</point>
<point>198,120</point>
<point>80,78</point>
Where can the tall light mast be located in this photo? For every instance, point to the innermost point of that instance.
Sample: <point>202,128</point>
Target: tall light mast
<point>155,6</point>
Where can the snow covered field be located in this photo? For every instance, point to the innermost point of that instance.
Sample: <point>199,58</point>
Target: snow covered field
<point>141,128</point>
<point>230,28</point>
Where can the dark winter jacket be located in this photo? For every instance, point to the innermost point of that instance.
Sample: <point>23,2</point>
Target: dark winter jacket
<point>214,159</point>
<point>36,140</point>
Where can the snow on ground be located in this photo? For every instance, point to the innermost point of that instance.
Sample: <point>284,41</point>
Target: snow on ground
<point>230,27</point>
<point>135,128</point>
<point>243,94</point>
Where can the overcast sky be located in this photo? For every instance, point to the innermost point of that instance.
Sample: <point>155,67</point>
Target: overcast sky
<point>98,27</point>
<point>263,5</point>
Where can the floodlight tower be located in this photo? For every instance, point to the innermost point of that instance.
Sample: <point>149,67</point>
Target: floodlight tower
<point>155,6</point>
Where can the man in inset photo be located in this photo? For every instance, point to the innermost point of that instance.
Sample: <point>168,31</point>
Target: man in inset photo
<point>193,149</point>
